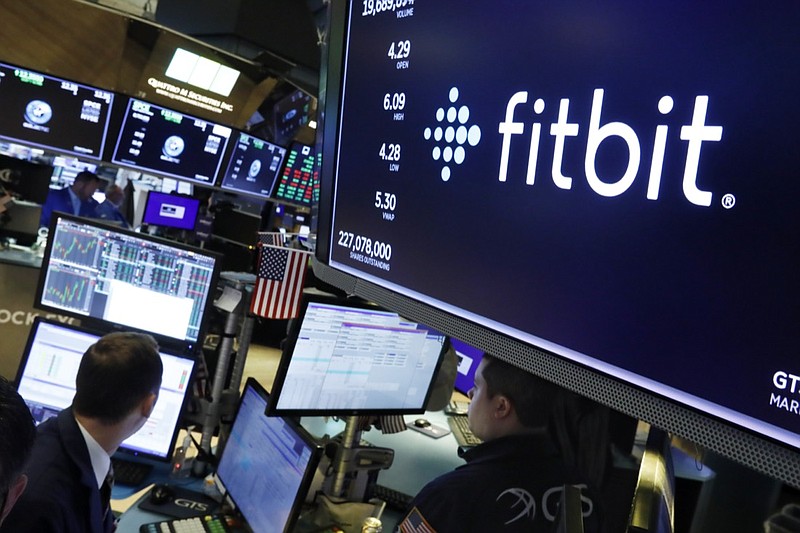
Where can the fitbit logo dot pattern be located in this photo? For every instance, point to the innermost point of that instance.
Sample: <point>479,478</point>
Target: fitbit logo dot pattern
<point>451,134</point>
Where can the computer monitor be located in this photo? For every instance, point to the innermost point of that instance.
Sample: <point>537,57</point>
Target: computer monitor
<point>469,358</point>
<point>22,222</point>
<point>171,210</point>
<point>27,180</point>
<point>105,274</point>
<point>605,209</point>
<point>53,113</point>
<point>345,357</point>
<point>169,143</point>
<point>290,113</point>
<point>46,381</point>
<point>237,227</point>
<point>267,464</point>
<point>253,166</point>
<point>296,183</point>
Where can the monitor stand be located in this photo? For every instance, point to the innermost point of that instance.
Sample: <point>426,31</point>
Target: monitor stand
<point>354,462</point>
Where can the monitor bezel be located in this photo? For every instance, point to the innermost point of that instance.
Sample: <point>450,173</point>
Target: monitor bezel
<point>229,161</point>
<point>81,328</point>
<point>291,341</point>
<point>185,344</point>
<point>184,197</point>
<point>252,383</point>
<point>115,158</point>
<point>104,138</point>
<point>751,448</point>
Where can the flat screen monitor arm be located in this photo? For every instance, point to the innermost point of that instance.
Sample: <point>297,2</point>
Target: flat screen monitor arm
<point>352,459</point>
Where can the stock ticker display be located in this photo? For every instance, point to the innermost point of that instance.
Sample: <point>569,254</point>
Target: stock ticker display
<point>298,183</point>
<point>105,274</point>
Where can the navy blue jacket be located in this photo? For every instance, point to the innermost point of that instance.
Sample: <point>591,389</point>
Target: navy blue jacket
<point>60,200</point>
<point>62,494</point>
<point>108,211</point>
<point>512,484</point>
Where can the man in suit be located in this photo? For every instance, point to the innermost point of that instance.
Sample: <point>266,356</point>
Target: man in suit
<point>17,432</point>
<point>69,473</point>
<point>75,199</point>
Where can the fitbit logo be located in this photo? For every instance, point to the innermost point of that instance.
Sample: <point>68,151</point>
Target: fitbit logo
<point>599,130</point>
<point>452,133</point>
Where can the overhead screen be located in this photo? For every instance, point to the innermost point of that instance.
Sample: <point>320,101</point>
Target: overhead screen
<point>298,182</point>
<point>53,113</point>
<point>611,183</point>
<point>170,143</point>
<point>253,166</point>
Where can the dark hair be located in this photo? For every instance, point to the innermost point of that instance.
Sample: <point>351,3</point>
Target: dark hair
<point>578,426</point>
<point>116,373</point>
<point>531,395</point>
<point>17,432</point>
<point>86,175</point>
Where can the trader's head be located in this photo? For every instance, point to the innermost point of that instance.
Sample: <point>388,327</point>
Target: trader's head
<point>17,433</point>
<point>118,382</point>
<point>507,400</point>
<point>86,184</point>
<point>115,194</point>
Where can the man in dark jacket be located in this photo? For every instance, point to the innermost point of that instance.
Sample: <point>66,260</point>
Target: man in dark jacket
<point>69,473</point>
<point>511,482</point>
<point>74,200</point>
<point>17,433</point>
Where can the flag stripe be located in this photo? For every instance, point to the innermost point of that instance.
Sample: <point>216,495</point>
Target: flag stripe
<point>281,299</point>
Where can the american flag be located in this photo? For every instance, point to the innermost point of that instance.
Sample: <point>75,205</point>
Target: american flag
<point>279,282</point>
<point>271,238</point>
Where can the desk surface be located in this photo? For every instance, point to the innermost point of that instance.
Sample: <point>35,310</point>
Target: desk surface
<point>418,459</point>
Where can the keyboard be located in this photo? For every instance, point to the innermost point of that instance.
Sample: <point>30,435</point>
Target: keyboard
<point>396,500</point>
<point>129,472</point>
<point>459,425</point>
<point>197,524</point>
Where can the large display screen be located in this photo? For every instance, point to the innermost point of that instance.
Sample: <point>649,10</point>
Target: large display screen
<point>54,113</point>
<point>170,143</point>
<point>106,274</point>
<point>298,182</point>
<point>253,166</point>
<point>612,183</point>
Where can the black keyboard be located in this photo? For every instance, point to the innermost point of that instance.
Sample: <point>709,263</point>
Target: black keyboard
<point>459,425</point>
<point>129,472</point>
<point>197,524</point>
<point>396,500</point>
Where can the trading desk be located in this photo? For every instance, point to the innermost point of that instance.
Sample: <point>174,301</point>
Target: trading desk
<point>418,459</point>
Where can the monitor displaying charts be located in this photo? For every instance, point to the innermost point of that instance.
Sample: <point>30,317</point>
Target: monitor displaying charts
<point>298,182</point>
<point>117,277</point>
